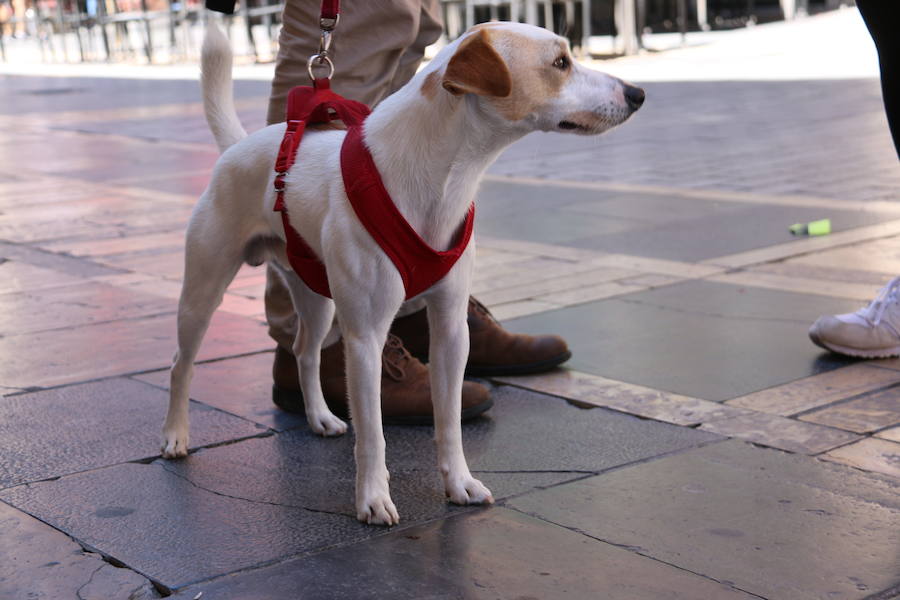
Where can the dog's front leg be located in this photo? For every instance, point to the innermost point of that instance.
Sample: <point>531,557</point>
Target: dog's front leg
<point>448,352</point>
<point>365,320</point>
<point>363,360</point>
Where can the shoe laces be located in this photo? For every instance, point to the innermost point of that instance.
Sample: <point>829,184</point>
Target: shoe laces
<point>886,297</point>
<point>395,358</point>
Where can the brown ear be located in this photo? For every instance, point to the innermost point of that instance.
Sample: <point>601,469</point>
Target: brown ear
<point>476,68</point>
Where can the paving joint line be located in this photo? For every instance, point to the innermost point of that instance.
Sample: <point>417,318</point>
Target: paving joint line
<point>93,323</point>
<point>131,375</point>
<point>889,594</point>
<point>164,467</point>
<point>713,315</point>
<point>144,460</point>
<point>88,582</point>
<point>458,512</point>
<point>89,549</point>
<point>635,550</point>
<point>697,193</point>
<point>847,399</point>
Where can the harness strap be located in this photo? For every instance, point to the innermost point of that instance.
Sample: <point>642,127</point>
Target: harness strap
<point>419,265</point>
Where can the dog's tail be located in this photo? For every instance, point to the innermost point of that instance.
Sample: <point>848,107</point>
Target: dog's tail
<point>218,96</point>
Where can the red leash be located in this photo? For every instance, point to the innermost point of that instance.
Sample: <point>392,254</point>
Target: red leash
<point>419,265</point>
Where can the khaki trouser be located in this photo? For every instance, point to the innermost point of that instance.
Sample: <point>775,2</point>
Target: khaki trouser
<point>376,49</point>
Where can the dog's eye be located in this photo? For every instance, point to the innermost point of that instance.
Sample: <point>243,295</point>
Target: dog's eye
<point>561,63</point>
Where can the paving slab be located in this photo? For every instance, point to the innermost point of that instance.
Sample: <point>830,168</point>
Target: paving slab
<point>69,306</point>
<point>587,389</point>
<point>671,226</point>
<point>530,431</point>
<point>874,256</point>
<point>184,184</point>
<point>70,429</point>
<point>36,561</point>
<point>63,356</point>
<point>779,432</point>
<point>749,228</point>
<point>772,524</point>
<point>245,504</point>
<point>706,340</point>
<point>489,554</point>
<point>870,454</point>
<point>241,386</point>
<point>173,532</point>
<point>89,157</point>
<point>766,429</point>
<point>892,434</point>
<point>819,390</point>
<point>867,413</point>
<point>56,262</point>
<point>18,276</point>
<point>50,221</point>
<point>174,524</point>
<point>43,95</point>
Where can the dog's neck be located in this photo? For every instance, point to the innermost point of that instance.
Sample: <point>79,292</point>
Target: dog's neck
<point>431,149</point>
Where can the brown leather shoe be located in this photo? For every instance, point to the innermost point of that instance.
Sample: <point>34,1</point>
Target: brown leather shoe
<point>492,350</point>
<point>405,386</point>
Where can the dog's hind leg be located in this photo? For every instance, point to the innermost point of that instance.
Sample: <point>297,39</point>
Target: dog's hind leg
<point>211,262</point>
<point>315,315</point>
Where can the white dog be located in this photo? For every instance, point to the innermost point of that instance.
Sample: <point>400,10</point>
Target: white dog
<point>431,141</point>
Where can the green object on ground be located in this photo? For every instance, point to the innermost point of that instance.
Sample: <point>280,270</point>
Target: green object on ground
<point>820,227</point>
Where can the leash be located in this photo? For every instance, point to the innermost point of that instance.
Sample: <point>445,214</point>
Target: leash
<point>419,265</point>
<point>303,106</point>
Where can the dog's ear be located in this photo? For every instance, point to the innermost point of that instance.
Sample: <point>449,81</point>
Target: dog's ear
<point>476,68</point>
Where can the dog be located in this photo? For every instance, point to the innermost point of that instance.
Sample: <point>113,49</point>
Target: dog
<point>431,142</point>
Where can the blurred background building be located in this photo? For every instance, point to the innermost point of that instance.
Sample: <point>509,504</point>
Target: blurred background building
<point>170,31</point>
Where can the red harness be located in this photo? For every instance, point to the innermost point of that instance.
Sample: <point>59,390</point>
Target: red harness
<point>420,266</point>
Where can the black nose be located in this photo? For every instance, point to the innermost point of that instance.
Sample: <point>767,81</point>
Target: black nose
<point>634,96</point>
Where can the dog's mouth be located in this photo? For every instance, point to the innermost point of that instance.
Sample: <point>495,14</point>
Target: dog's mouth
<point>570,126</point>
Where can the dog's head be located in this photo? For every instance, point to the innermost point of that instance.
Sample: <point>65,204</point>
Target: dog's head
<point>526,76</point>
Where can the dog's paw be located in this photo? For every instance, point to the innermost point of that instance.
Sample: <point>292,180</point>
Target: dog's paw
<point>467,490</point>
<point>175,443</point>
<point>376,507</point>
<point>326,424</point>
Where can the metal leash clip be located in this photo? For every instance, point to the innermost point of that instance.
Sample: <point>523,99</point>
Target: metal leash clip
<point>322,58</point>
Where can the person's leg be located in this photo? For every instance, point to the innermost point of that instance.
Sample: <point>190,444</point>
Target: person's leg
<point>367,48</point>
<point>376,49</point>
<point>883,20</point>
<point>369,45</point>
<point>874,331</point>
<point>19,10</point>
<point>430,29</point>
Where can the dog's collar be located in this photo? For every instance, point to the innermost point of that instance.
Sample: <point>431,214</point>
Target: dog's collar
<point>419,265</point>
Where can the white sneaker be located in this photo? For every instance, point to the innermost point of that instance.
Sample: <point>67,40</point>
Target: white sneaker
<point>871,332</point>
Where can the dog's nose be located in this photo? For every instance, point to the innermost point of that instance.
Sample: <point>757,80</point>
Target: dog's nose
<point>634,96</point>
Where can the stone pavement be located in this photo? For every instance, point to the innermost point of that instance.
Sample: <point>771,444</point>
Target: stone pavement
<point>697,445</point>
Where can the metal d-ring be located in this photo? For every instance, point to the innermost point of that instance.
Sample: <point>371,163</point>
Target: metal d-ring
<point>319,60</point>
